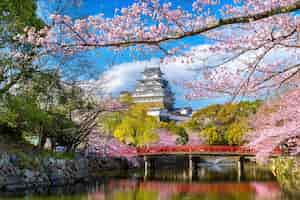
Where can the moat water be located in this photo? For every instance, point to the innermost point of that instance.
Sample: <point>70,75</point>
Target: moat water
<point>209,182</point>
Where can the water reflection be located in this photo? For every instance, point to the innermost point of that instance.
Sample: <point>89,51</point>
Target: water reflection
<point>209,183</point>
<point>214,173</point>
<point>156,190</point>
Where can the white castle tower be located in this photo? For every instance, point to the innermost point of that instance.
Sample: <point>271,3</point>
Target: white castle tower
<point>154,90</point>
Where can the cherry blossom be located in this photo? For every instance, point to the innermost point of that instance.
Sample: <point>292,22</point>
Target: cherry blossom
<point>263,35</point>
<point>277,123</point>
<point>243,27</point>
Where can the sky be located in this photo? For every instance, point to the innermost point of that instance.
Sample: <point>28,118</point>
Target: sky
<point>121,71</point>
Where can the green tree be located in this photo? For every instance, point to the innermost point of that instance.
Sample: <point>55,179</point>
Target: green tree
<point>44,107</point>
<point>17,111</point>
<point>223,124</point>
<point>235,133</point>
<point>137,128</point>
<point>21,113</point>
<point>15,16</point>
<point>212,135</point>
<point>110,121</point>
<point>18,14</point>
<point>33,98</point>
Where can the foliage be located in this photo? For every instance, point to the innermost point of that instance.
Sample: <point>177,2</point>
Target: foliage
<point>235,133</point>
<point>21,113</point>
<point>268,28</point>
<point>287,172</point>
<point>57,155</point>
<point>175,129</point>
<point>16,58</point>
<point>137,128</point>
<point>110,121</point>
<point>19,14</point>
<point>126,99</point>
<point>27,162</point>
<point>223,124</point>
<point>212,135</point>
<point>43,108</point>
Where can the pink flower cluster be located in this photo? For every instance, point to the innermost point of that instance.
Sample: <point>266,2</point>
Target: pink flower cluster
<point>256,43</point>
<point>276,124</point>
<point>142,21</point>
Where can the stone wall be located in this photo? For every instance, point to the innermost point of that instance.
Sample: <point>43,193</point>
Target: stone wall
<point>45,172</point>
<point>49,172</point>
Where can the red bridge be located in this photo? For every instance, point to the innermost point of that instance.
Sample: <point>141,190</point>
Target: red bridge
<point>117,150</point>
<point>200,150</point>
<point>192,152</point>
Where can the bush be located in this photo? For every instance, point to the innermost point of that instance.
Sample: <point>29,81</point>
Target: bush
<point>136,127</point>
<point>235,133</point>
<point>58,155</point>
<point>212,135</point>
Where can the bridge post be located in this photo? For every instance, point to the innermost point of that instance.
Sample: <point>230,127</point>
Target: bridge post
<point>240,168</point>
<point>191,167</point>
<point>146,167</point>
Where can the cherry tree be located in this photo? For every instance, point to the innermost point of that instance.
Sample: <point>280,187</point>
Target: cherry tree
<point>263,35</point>
<point>244,28</point>
<point>277,123</point>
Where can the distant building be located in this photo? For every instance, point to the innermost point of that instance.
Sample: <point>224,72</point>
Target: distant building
<point>125,93</point>
<point>154,90</point>
<point>187,111</point>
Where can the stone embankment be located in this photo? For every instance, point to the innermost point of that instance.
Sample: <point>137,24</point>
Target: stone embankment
<point>50,172</point>
<point>46,172</point>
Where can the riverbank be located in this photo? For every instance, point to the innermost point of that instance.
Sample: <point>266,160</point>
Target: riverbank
<point>20,171</point>
<point>24,167</point>
<point>169,183</point>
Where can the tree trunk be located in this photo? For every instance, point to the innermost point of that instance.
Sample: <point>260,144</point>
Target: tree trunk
<point>42,141</point>
<point>53,144</point>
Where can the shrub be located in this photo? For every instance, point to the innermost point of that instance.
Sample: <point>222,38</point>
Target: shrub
<point>212,135</point>
<point>235,132</point>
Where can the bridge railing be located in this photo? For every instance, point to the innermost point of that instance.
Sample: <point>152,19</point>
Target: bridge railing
<point>200,149</point>
<point>184,149</point>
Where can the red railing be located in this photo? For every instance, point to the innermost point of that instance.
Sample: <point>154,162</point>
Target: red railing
<point>200,149</point>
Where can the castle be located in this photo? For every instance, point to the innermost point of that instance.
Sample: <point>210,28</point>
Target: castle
<point>154,90</point>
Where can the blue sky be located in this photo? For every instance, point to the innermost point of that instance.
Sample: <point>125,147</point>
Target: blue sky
<point>123,69</point>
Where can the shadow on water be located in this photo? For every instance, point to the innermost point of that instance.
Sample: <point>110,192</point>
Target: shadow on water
<point>212,181</point>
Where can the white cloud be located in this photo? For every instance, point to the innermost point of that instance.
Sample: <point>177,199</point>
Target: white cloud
<point>124,76</point>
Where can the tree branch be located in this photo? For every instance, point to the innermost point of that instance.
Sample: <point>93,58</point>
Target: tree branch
<point>219,23</point>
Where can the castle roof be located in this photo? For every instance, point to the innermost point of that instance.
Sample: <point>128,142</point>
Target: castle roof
<point>152,70</point>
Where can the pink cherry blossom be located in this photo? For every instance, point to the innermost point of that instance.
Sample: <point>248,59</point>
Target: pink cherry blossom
<point>277,123</point>
<point>251,32</point>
